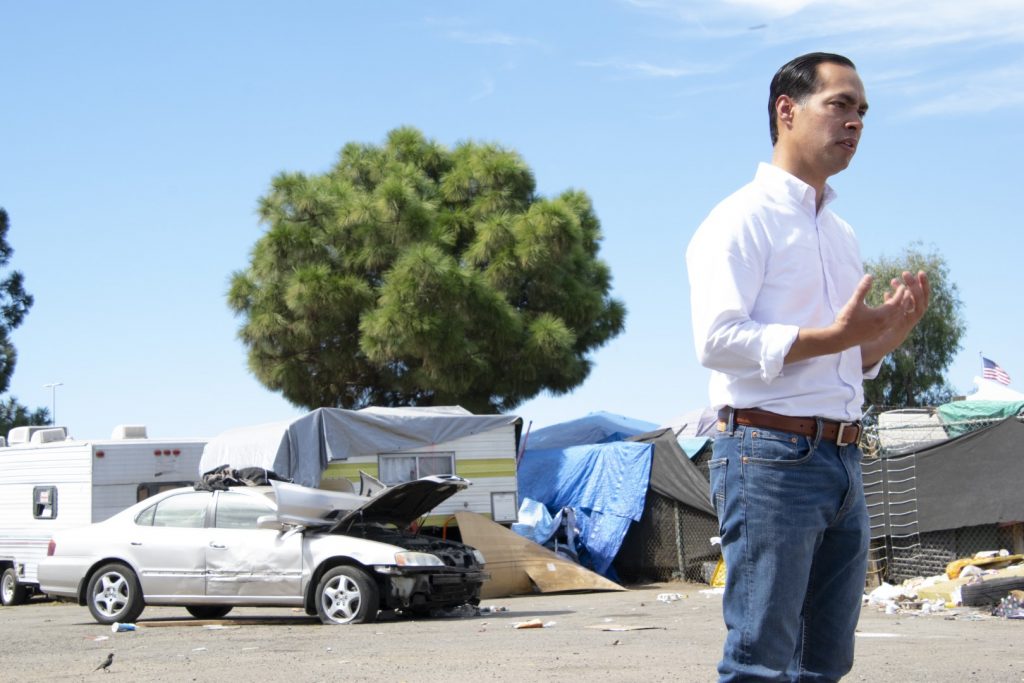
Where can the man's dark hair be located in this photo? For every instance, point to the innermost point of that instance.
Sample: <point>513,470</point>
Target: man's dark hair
<point>798,78</point>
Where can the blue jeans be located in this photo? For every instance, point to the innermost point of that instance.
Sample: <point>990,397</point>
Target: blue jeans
<point>795,538</point>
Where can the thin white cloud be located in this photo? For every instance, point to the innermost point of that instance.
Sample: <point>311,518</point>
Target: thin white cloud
<point>970,93</point>
<point>487,89</point>
<point>489,38</point>
<point>885,24</point>
<point>647,69</point>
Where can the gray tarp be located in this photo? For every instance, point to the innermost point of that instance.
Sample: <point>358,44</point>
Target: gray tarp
<point>673,474</point>
<point>972,480</point>
<point>301,449</point>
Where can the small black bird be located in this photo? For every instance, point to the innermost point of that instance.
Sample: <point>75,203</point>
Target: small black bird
<point>106,662</point>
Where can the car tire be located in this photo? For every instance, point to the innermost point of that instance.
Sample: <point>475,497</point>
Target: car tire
<point>11,592</point>
<point>989,592</point>
<point>114,594</point>
<point>209,611</point>
<point>347,595</point>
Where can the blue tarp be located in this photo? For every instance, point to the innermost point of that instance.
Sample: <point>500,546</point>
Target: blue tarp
<point>604,484</point>
<point>599,427</point>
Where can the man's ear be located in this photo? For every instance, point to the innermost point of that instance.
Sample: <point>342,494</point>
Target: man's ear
<point>784,107</point>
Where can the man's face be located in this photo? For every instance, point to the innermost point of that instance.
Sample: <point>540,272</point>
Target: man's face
<point>823,130</point>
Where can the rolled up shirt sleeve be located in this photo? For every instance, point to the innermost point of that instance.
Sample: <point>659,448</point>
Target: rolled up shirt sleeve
<point>726,273</point>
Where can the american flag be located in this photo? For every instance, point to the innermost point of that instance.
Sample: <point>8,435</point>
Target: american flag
<point>991,370</point>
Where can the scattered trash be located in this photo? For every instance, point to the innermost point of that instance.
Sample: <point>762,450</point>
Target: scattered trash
<point>199,649</point>
<point>458,612</point>
<point>99,638</point>
<point>219,627</point>
<point>712,591</point>
<point>490,609</point>
<point>621,627</point>
<point>118,627</point>
<point>670,597</point>
<point>532,623</point>
<point>1010,607</point>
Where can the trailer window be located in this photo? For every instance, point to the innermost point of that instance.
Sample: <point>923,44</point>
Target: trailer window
<point>44,502</point>
<point>395,468</point>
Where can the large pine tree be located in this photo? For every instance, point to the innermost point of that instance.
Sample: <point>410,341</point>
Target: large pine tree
<point>15,303</point>
<point>413,274</point>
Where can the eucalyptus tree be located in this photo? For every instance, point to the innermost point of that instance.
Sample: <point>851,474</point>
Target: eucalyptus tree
<point>914,374</point>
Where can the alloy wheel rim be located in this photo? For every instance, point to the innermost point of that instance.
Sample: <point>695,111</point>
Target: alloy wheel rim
<point>341,599</point>
<point>111,595</point>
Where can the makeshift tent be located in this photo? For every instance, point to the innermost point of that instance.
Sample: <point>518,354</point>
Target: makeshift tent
<point>604,484</point>
<point>949,500</point>
<point>974,479</point>
<point>965,416</point>
<point>599,427</point>
<point>671,539</point>
<point>642,502</point>
<point>700,422</point>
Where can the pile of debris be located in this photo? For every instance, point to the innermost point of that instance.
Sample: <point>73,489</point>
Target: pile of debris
<point>986,579</point>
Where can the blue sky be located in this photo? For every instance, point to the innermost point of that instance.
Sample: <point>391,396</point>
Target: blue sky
<point>136,139</point>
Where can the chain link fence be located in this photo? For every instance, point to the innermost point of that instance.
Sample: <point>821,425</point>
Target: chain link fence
<point>898,549</point>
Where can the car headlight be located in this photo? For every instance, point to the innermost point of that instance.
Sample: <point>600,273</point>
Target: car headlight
<point>412,559</point>
<point>479,557</point>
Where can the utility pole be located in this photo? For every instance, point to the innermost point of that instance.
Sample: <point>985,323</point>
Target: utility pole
<point>53,401</point>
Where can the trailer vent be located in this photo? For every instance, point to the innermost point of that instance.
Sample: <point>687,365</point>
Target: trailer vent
<point>49,435</point>
<point>129,432</point>
<point>20,435</point>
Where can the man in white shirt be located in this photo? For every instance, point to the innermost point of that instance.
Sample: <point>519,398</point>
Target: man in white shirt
<point>777,297</point>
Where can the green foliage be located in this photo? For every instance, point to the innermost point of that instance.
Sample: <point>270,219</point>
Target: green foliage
<point>13,414</point>
<point>411,274</point>
<point>913,374</point>
<point>15,303</point>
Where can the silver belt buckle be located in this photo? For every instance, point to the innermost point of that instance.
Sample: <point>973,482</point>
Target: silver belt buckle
<point>839,435</point>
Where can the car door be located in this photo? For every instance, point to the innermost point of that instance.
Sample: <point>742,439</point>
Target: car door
<point>244,561</point>
<point>168,545</point>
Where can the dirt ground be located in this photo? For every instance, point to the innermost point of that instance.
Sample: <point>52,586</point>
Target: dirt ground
<point>677,640</point>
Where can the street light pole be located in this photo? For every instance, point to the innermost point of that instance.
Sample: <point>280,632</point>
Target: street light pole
<point>53,401</point>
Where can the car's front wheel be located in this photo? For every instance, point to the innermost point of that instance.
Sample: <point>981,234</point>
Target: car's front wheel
<point>347,595</point>
<point>11,592</point>
<point>208,611</point>
<point>114,594</point>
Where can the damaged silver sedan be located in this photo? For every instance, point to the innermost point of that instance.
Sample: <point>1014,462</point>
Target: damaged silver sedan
<point>343,557</point>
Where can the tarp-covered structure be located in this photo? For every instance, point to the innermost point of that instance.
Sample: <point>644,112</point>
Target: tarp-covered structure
<point>948,500</point>
<point>961,417</point>
<point>672,537</point>
<point>604,484</point>
<point>972,480</point>
<point>597,427</point>
<point>642,507</point>
<point>300,449</point>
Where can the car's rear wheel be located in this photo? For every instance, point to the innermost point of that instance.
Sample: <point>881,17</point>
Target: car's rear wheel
<point>347,595</point>
<point>114,594</point>
<point>11,592</point>
<point>208,611</point>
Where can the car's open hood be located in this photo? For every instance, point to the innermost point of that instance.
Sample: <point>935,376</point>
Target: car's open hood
<point>400,504</point>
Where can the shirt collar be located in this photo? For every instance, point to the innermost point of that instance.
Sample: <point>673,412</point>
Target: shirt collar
<point>778,181</point>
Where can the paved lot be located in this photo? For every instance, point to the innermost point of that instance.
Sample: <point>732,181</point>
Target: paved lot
<point>58,641</point>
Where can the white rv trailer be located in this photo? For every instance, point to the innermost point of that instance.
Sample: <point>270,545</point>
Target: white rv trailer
<point>50,482</point>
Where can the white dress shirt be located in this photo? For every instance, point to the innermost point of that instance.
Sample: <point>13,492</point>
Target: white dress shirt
<point>763,264</point>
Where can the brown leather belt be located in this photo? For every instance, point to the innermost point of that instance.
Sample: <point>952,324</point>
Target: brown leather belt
<point>842,433</point>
